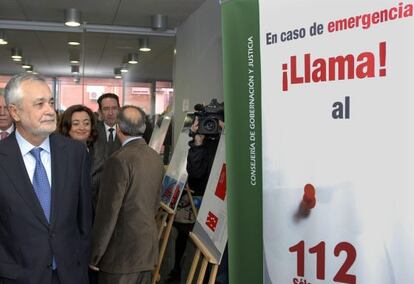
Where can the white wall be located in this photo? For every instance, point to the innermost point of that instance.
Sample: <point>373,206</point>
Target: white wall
<point>198,63</point>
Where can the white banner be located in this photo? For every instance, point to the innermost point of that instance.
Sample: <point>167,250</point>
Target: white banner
<point>159,133</point>
<point>338,120</point>
<point>176,176</point>
<point>211,225</point>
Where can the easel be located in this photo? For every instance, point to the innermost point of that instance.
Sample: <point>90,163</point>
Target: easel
<point>207,258</point>
<point>165,219</point>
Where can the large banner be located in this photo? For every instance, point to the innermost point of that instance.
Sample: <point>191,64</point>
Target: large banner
<point>337,139</point>
<point>241,82</point>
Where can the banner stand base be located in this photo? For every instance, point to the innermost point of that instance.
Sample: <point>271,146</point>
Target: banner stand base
<point>207,258</point>
<point>165,220</point>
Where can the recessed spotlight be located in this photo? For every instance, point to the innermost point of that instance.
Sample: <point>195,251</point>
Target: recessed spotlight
<point>26,65</point>
<point>124,69</point>
<point>144,45</point>
<point>16,53</point>
<point>3,39</point>
<point>133,58</point>
<point>75,69</point>
<point>73,42</point>
<point>118,73</point>
<point>72,17</point>
<point>159,22</point>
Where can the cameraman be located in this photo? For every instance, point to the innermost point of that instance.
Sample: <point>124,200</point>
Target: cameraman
<point>200,158</point>
<point>199,162</point>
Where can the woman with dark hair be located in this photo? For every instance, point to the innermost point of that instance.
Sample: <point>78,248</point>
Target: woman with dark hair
<point>78,122</point>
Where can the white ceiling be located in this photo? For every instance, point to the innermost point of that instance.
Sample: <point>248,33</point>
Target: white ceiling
<point>48,51</point>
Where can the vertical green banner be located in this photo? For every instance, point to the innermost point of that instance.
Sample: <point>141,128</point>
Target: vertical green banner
<point>241,60</point>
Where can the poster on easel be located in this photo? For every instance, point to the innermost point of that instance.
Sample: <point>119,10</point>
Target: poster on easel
<point>211,223</point>
<point>329,93</point>
<point>159,133</point>
<point>176,176</point>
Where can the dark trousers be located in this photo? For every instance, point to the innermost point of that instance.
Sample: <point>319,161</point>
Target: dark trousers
<point>181,242</point>
<point>55,277</point>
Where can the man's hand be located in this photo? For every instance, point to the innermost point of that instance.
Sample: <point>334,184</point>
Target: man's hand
<point>194,127</point>
<point>199,139</point>
<point>221,124</point>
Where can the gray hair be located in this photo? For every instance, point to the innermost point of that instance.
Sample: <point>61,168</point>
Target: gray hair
<point>131,127</point>
<point>12,93</point>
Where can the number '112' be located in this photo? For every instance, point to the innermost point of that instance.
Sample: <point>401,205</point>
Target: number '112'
<point>342,275</point>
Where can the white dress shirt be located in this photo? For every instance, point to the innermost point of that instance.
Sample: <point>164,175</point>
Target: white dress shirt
<point>30,162</point>
<point>8,130</point>
<point>107,131</point>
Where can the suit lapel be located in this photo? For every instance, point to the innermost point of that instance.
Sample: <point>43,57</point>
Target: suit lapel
<point>59,168</point>
<point>13,164</point>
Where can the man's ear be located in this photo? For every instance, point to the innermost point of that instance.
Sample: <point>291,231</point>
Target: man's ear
<point>119,133</point>
<point>14,112</point>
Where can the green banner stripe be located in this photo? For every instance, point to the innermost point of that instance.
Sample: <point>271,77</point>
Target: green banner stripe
<point>241,69</point>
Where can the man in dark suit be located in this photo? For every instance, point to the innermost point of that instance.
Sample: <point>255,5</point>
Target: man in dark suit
<point>107,141</point>
<point>45,205</point>
<point>6,122</point>
<point>125,234</point>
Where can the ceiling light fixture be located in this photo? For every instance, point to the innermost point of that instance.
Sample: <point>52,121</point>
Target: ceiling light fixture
<point>73,42</point>
<point>75,69</point>
<point>30,70</point>
<point>144,45</point>
<point>159,22</point>
<point>16,53</point>
<point>3,39</point>
<point>117,72</point>
<point>72,17</point>
<point>76,79</point>
<point>133,58</point>
<point>74,56</point>
<point>124,68</point>
<point>26,65</point>
<point>74,39</point>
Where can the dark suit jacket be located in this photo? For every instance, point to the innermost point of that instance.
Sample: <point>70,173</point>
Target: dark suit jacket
<point>125,234</point>
<point>27,240</point>
<point>100,153</point>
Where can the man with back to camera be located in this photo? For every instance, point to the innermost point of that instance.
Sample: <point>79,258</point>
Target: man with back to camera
<point>45,205</point>
<point>6,122</point>
<point>125,234</point>
<point>107,141</point>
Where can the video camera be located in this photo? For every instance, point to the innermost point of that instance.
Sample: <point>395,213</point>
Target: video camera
<point>209,116</point>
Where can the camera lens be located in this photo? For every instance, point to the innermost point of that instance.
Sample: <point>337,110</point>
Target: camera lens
<point>210,125</point>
